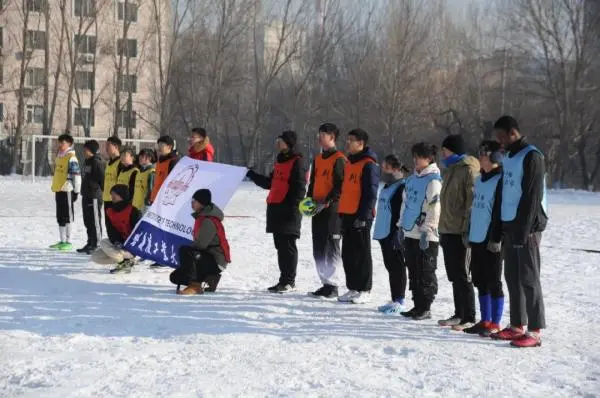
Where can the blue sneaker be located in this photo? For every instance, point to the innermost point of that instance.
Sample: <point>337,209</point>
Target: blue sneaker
<point>392,308</point>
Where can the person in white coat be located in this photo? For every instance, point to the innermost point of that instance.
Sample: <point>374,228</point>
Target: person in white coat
<point>419,218</point>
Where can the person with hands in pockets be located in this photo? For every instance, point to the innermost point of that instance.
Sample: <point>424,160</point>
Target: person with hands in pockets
<point>419,218</point>
<point>357,209</point>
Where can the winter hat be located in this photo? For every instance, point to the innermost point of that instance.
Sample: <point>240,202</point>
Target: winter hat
<point>454,143</point>
<point>491,149</point>
<point>92,146</point>
<point>289,137</point>
<point>203,196</point>
<point>122,190</point>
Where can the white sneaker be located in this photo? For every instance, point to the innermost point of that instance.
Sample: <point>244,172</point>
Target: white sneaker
<point>348,296</point>
<point>362,298</point>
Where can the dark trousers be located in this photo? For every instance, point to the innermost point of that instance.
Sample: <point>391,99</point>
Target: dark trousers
<point>107,205</point>
<point>92,219</point>
<point>457,261</point>
<point>64,208</point>
<point>287,257</point>
<point>393,259</point>
<point>421,266</point>
<point>486,270</point>
<point>356,256</point>
<point>522,274</point>
<point>194,266</point>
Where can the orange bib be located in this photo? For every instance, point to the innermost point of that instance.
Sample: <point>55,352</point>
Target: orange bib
<point>280,184</point>
<point>351,188</point>
<point>324,175</point>
<point>162,171</point>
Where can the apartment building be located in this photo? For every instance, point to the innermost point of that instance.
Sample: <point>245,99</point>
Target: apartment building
<point>99,52</point>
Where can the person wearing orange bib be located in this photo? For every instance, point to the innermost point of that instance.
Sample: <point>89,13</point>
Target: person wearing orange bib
<point>287,186</point>
<point>167,159</point>
<point>357,208</point>
<point>325,188</point>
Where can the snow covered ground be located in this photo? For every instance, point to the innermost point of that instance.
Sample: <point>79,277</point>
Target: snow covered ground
<point>68,328</point>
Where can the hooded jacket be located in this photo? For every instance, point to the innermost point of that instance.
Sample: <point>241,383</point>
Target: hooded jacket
<point>206,238</point>
<point>457,196</point>
<point>430,207</point>
<point>369,187</point>
<point>202,151</point>
<point>93,177</point>
<point>285,218</point>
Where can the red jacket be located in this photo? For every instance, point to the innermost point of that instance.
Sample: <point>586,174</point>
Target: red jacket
<point>203,151</point>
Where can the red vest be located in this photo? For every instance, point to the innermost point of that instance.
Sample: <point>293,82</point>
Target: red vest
<point>280,184</point>
<point>223,243</point>
<point>120,220</point>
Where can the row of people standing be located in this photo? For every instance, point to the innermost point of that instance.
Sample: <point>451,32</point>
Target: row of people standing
<point>472,216</point>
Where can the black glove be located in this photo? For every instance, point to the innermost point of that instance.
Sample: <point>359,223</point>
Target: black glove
<point>359,224</point>
<point>398,239</point>
<point>74,196</point>
<point>250,174</point>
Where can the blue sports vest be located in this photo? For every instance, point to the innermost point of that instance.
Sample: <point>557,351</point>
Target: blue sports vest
<point>481,211</point>
<point>511,185</point>
<point>384,210</point>
<point>416,192</point>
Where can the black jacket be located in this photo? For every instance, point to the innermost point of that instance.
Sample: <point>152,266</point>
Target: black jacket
<point>92,183</point>
<point>495,230</point>
<point>113,235</point>
<point>396,204</point>
<point>369,188</point>
<point>530,216</point>
<point>329,218</point>
<point>285,218</point>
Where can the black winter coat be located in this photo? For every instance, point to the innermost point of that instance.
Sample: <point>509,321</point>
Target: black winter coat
<point>285,218</point>
<point>92,183</point>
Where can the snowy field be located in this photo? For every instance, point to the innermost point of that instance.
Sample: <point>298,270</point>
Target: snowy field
<point>68,328</point>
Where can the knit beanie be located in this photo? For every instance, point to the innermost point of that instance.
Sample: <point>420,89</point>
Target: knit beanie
<point>203,196</point>
<point>455,143</point>
<point>92,146</point>
<point>121,190</point>
<point>290,138</point>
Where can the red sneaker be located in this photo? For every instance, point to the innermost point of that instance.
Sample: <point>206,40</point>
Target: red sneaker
<point>490,329</point>
<point>509,333</point>
<point>527,340</point>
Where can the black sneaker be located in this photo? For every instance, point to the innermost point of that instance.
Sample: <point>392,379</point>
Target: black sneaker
<point>326,291</point>
<point>87,249</point>
<point>282,288</point>
<point>421,315</point>
<point>452,321</point>
<point>157,265</point>
<point>410,313</point>
<point>478,328</point>
<point>124,267</point>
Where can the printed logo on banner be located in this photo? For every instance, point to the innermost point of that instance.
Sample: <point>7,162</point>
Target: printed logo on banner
<point>179,185</point>
<point>168,223</point>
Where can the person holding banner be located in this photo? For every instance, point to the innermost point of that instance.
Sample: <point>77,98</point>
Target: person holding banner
<point>209,255</point>
<point>200,146</point>
<point>287,186</point>
<point>122,218</point>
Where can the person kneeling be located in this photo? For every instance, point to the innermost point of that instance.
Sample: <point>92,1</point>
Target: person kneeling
<point>203,261</point>
<point>121,218</point>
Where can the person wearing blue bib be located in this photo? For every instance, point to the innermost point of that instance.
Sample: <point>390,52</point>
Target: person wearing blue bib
<point>419,218</point>
<point>524,218</point>
<point>386,231</point>
<point>485,237</point>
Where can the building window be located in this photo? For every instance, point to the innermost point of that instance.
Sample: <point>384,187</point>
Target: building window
<point>84,80</point>
<point>130,12</point>
<point>83,117</point>
<point>84,8</point>
<point>35,77</point>
<point>1,112</point>
<point>127,48</point>
<point>34,114</point>
<point>129,83</point>
<point>36,39</point>
<point>1,32</point>
<point>126,119</point>
<point>36,5</point>
<point>85,44</point>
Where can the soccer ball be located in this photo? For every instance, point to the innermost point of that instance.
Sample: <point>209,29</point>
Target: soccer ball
<point>307,207</point>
